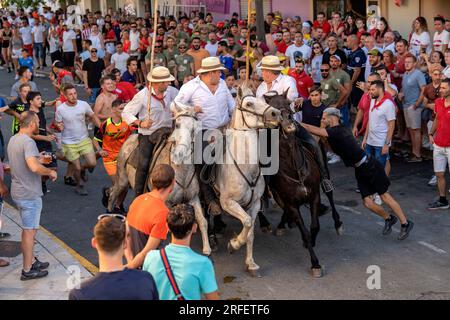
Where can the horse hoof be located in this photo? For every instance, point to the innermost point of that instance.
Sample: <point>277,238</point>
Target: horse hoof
<point>340,230</point>
<point>317,272</point>
<point>267,229</point>
<point>280,232</point>
<point>254,273</point>
<point>231,250</point>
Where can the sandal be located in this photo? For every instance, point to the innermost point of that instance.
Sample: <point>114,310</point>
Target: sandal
<point>70,181</point>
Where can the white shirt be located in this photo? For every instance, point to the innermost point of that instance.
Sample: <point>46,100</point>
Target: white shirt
<point>160,114</point>
<point>446,72</point>
<point>418,40</point>
<point>134,40</point>
<point>378,122</point>
<point>120,61</point>
<point>316,62</point>
<point>217,108</point>
<point>38,33</point>
<point>96,41</point>
<point>53,44</point>
<point>304,49</point>
<point>68,36</point>
<point>25,32</point>
<point>280,85</point>
<point>441,39</point>
<point>212,48</point>
<point>74,120</point>
<point>390,47</point>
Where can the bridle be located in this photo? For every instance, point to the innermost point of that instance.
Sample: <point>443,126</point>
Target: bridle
<point>242,110</point>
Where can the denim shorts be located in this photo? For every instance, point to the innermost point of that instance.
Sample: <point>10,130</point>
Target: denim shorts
<point>376,153</point>
<point>39,52</point>
<point>30,211</point>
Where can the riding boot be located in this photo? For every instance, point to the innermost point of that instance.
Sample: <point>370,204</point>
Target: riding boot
<point>306,138</point>
<point>207,193</point>
<point>145,157</point>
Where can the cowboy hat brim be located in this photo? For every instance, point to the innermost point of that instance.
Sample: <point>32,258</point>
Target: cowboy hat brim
<point>212,69</point>
<point>280,68</point>
<point>169,78</point>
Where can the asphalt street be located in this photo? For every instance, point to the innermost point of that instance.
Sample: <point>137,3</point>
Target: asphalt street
<point>416,268</point>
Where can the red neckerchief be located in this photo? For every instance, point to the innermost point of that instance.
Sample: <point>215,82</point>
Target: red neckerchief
<point>159,99</point>
<point>377,105</point>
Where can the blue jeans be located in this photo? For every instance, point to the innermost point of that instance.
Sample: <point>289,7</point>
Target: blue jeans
<point>30,211</point>
<point>39,52</point>
<point>93,96</point>
<point>345,115</point>
<point>376,153</point>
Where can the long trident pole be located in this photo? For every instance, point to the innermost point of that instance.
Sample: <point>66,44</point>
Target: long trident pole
<point>247,55</point>
<point>155,23</point>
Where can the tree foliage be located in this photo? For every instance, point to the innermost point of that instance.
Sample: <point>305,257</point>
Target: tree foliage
<point>26,3</point>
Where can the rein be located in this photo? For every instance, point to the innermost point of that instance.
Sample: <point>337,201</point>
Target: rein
<point>242,110</point>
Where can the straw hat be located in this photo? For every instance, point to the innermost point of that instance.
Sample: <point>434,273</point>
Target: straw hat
<point>210,64</point>
<point>160,74</point>
<point>271,63</point>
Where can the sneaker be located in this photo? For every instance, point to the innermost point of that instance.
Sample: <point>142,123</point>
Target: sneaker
<point>388,224</point>
<point>438,205</point>
<point>334,159</point>
<point>33,274</point>
<point>70,181</point>
<point>38,265</point>
<point>81,191</point>
<point>433,181</point>
<point>377,199</point>
<point>4,235</point>
<point>329,155</point>
<point>404,232</point>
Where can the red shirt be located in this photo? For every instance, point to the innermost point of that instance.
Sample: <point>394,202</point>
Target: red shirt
<point>364,105</point>
<point>325,26</point>
<point>125,91</point>
<point>303,81</point>
<point>400,69</point>
<point>281,47</point>
<point>110,35</point>
<point>442,136</point>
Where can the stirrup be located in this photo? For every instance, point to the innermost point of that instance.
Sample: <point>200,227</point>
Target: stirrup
<point>327,185</point>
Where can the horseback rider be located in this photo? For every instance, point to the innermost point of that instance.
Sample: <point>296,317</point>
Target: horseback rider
<point>160,117</point>
<point>214,104</point>
<point>273,80</point>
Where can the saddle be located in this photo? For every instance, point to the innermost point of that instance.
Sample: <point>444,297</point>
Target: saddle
<point>159,138</point>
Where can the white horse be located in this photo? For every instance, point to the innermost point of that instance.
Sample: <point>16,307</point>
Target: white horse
<point>178,153</point>
<point>240,183</point>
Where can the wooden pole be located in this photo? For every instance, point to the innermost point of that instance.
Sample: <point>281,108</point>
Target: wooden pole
<point>247,55</point>
<point>152,56</point>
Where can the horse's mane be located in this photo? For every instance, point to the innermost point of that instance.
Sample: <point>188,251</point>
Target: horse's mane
<point>243,90</point>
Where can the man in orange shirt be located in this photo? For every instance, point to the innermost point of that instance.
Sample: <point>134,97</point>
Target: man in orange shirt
<point>197,53</point>
<point>147,216</point>
<point>108,140</point>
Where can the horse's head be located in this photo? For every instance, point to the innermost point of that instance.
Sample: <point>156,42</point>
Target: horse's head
<point>183,135</point>
<point>254,113</point>
<point>281,102</point>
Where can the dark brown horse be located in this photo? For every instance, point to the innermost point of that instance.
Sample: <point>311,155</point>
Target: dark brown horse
<point>297,182</point>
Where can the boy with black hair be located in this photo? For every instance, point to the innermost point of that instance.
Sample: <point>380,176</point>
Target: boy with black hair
<point>192,275</point>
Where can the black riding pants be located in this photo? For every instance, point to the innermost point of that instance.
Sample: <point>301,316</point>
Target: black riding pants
<point>306,138</point>
<point>145,148</point>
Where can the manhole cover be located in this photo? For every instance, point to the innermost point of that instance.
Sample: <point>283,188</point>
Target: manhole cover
<point>435,296</point>
<point>10,249</point>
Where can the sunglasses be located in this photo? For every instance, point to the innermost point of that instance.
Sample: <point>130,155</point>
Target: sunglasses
<point>158,47</point>
<point>324,70</point>
<point>181,47</point>
<point>112,215</point>
<point>94,51</point>
<point>316,47</point>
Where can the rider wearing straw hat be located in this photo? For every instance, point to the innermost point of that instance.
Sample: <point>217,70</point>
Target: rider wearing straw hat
<point>275,81</point>
<point>213,102</point>
<point>160,117</point>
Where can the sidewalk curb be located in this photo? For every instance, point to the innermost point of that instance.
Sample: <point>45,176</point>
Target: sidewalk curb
<point>91,268</point>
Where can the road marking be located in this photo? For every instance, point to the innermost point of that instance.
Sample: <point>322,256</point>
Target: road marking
<point>432,247</point>
<point>82,260</point>
<point>349,209</point>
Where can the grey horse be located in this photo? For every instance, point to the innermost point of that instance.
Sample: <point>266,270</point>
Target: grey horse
<point>239,179</point>
<point>178,152</point>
